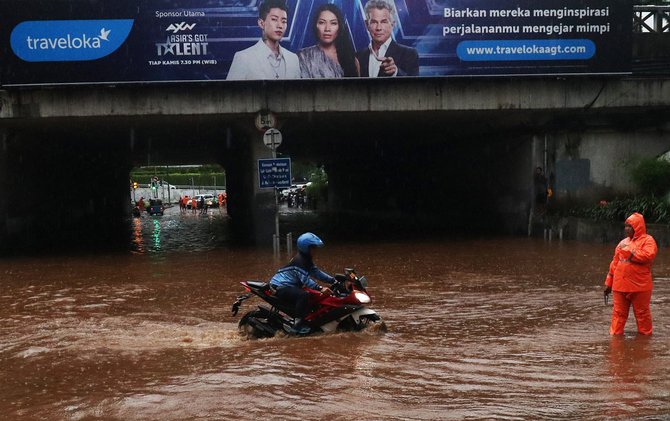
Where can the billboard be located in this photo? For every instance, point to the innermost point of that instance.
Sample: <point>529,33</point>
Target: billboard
<point>94,41</point>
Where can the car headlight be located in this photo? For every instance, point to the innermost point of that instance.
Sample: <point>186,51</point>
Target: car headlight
<point>362,297</point>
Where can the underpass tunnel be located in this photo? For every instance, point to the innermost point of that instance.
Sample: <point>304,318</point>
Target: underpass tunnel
<point>235,145</point>
<point>66,184</point>
<point>417,174</point>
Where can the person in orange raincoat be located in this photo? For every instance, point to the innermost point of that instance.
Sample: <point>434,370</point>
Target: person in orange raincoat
<point>629,278</point>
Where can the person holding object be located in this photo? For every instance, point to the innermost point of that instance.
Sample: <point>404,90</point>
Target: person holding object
<point>267,59</point>
<point>385,57</point>
<point>289,281</point>
<point>629,279</point>
<point>333,55</point>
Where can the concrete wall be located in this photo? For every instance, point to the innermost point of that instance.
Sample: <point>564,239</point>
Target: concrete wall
<point>340,96</point>
<point>62,190</point>
<point>609,155</point>
<point>4,191</point>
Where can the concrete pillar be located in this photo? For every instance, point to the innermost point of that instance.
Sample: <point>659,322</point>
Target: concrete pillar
<point>4,190</point>
<point>251,208</point>
<point>62,190</point>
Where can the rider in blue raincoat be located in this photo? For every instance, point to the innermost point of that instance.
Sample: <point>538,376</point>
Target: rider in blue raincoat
<point>289,281</point>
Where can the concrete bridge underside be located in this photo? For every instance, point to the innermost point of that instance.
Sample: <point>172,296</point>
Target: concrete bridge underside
<point>461,150</point>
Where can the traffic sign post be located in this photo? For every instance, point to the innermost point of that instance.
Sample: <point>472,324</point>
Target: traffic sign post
<point>274,173</point>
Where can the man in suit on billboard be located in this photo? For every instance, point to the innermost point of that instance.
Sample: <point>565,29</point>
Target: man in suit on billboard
<point>385,57</point>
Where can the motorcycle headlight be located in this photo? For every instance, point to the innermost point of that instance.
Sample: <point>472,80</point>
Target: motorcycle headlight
<point>362,297</point>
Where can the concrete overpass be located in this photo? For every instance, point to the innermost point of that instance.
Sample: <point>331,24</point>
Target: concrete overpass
<point>456,149</point>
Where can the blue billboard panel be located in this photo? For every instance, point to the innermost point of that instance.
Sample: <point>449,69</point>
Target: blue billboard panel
<point>104,41</point>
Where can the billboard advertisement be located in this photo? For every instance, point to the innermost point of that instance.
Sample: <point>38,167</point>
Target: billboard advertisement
<point>95,41</point>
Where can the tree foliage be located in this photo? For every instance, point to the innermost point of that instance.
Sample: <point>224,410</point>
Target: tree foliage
<point>652,176</point>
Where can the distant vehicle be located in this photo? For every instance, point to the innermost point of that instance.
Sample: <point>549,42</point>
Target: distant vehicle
<point>210,201</point>
<point>156,207</point>
<point>283,194</point>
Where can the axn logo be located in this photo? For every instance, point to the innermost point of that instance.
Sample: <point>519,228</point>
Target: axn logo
<point>69,40</point>
<point>178,27</point>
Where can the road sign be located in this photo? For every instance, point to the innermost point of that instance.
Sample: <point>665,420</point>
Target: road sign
<point>272,138</point>
<point>273,173</point>
<point>265,120</point>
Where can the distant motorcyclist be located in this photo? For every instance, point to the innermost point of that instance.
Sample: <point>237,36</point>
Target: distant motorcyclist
<point>289,281</point>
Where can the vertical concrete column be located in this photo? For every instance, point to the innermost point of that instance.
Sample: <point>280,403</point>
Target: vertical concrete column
<point>4,193</point>
<point>250,207</point>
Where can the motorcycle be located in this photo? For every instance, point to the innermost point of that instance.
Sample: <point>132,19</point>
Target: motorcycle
<point>344,310</point>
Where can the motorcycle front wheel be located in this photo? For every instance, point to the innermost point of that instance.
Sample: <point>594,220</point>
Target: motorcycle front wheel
<point>372,322</point>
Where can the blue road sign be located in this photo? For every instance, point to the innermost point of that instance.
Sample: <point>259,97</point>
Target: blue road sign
<point>273,173</point>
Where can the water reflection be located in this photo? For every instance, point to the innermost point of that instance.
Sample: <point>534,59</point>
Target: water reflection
<point>137,242</point>
<point>156,235</point>
<point>175,231</point>
<point>631,369</point>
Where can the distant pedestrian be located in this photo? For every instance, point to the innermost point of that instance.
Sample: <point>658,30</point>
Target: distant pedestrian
<point>194,205</point>
<point>202,205</point>
<point>538,207</point>
<point>140,205</point>
<point>220,199</point>
<point>183,204</point>
<point>540,189</point>
<point>629,278</point>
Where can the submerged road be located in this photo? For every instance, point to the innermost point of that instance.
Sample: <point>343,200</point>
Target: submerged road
<point>509,328</point>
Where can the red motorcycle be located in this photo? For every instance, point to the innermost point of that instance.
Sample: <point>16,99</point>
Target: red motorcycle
<point>345,310</point>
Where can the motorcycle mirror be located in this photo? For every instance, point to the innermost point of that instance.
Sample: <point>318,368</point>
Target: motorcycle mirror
<point>364,282</point>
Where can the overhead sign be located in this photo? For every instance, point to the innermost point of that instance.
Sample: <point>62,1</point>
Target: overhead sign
<point>112,41</point>
<point>274,173</point>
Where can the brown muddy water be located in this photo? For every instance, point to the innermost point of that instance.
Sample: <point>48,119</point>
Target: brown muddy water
<point>509,328</point>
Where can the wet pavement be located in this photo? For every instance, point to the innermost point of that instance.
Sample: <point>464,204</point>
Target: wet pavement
<point>503,328</point>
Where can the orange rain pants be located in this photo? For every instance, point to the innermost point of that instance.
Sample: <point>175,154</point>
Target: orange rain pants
<point>622,301</point>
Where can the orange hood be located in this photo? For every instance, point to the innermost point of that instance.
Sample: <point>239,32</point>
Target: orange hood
<point>636,221</point>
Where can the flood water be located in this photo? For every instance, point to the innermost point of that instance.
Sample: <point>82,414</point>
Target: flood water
<point>506,328</point>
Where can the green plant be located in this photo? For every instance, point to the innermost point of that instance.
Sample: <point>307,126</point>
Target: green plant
<point>652,176</point>
<point>318,190</point>
<point>654,209</point>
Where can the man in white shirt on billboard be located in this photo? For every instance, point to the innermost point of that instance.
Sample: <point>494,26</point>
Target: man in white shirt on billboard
<point>267,59</point>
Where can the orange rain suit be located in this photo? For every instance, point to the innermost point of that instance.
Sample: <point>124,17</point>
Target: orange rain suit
<point>630,278</point>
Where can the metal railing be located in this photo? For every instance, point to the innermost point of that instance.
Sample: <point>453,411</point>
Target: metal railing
<point>651,19</point>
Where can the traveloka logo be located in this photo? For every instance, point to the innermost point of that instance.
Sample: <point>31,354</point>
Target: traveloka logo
<point>69,40</point>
